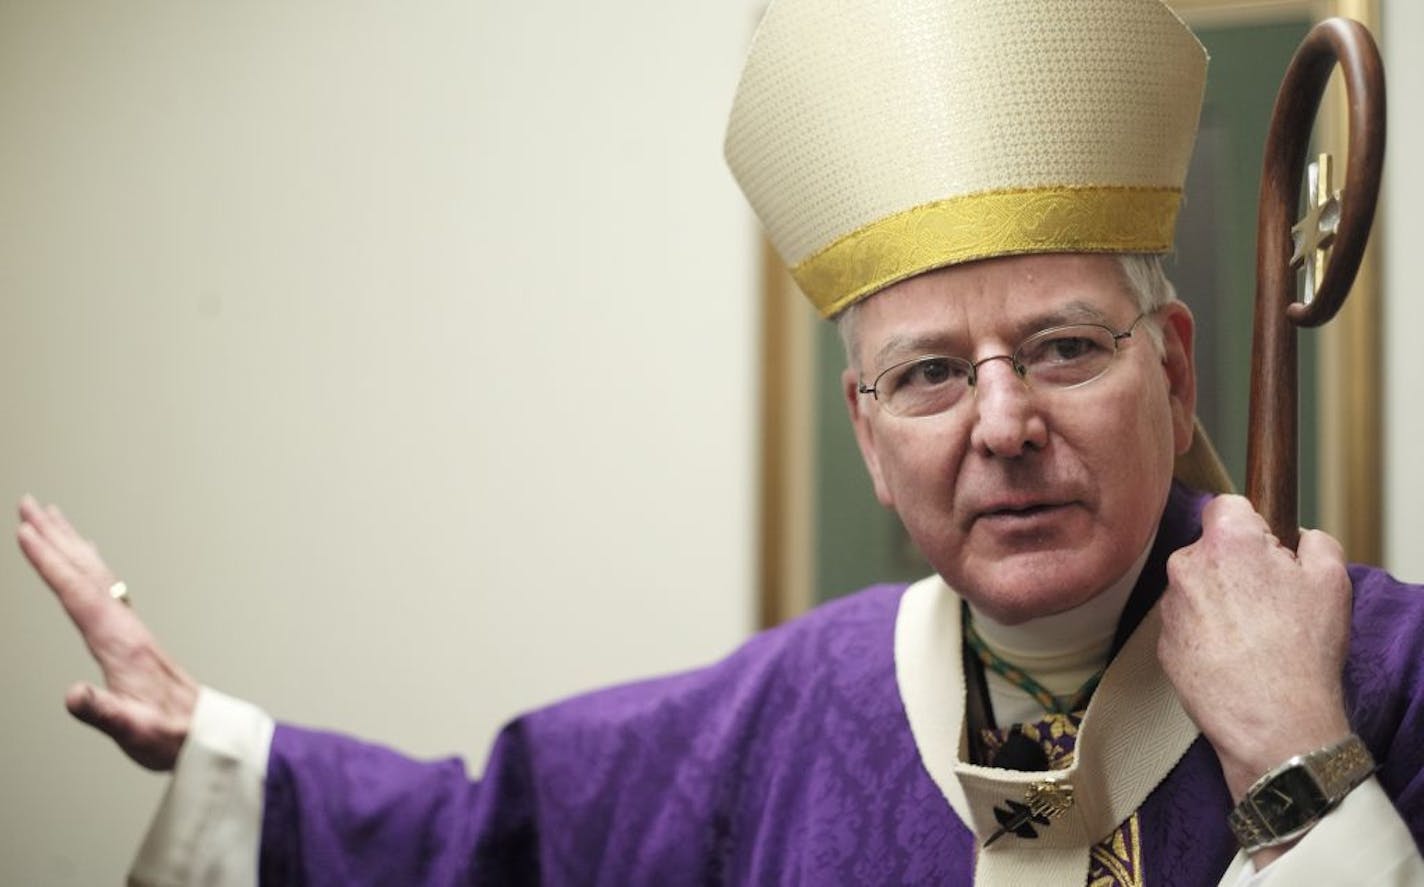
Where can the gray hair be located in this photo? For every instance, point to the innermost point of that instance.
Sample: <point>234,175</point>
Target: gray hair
<point>1145,275</point>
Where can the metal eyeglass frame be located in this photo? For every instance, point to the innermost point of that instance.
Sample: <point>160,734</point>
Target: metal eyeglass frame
<point>1020,370</point>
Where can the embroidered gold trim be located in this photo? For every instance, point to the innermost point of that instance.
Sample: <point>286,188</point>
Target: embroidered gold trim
<point>1117,860</point>
<point>978,226</point>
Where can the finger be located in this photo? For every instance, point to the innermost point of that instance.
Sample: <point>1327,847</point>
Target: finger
<point>1322,555</point>
<point>1233,513</point>
<point>28,506</point>
<point>56,529</point>
<point>43,519</point>
<point>101,710</point>
<point>128,723</point>
<point>1178,563</point>
<point>67,538</point>
<point>1189,589</point>
<point>60,521</point>
<point>54,568</point>
<point>1218,507</point>
<point>1319,547</point>
<point>99,619</point>
<point>1235,529</point>
<point>109,714</point>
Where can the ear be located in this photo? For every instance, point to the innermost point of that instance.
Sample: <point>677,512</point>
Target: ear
<point>1179,364</point>
<point>860,420</point>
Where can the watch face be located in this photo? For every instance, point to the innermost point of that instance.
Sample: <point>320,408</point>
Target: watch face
<point>1291,800</point>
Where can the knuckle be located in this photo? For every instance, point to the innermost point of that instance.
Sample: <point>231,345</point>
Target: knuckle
<point>1233,502</point>
<point>1178,567</point>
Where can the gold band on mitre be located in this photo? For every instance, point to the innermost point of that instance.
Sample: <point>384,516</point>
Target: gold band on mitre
<point>1074,218</point>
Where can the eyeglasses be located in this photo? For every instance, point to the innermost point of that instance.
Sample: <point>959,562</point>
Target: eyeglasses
<point>1056,358</point>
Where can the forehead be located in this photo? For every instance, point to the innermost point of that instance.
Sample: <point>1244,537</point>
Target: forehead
<point>995,300</point>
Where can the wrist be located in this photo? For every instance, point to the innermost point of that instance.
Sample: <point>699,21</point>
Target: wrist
<point>1264,749</point>
<point>1291,798</point>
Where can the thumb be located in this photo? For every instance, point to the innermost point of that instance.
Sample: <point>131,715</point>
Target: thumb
<point>132,724</point>
<point>101,710</point>
<point>1319,547</point>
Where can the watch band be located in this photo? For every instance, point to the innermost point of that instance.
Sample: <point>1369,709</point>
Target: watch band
<point>1290,799</point>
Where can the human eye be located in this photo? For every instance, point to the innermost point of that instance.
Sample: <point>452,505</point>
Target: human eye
<point>1065,346</point>
<point>926,386</point>
<point>1070,347</point>
<point>928,373</point>
<point>1067,356</point>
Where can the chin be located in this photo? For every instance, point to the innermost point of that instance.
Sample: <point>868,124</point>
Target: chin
<point>1025,587</point>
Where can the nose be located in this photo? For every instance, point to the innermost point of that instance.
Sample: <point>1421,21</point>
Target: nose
<point>1007,420</point>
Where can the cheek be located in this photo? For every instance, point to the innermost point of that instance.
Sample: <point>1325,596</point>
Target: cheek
<point>1159,427</point>
<point>1136,460</point>
<point>1125,441</point>
<point>920,469</point>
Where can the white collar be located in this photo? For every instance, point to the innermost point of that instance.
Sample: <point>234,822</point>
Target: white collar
<point>1133,733</point>
<point>1078,637</point>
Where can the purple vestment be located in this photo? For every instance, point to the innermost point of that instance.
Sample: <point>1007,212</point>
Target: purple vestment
<point>790,761</point>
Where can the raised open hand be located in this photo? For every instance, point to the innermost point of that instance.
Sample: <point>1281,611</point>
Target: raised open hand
<point>147,701</point>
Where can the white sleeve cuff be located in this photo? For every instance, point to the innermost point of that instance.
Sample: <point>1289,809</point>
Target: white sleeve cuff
<point>1362,842</point>
<point>209,826</point>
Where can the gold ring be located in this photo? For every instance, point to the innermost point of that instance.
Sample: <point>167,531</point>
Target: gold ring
<point>120,592</point>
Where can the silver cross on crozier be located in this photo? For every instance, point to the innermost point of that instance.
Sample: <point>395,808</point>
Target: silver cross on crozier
<point>1315,232</point>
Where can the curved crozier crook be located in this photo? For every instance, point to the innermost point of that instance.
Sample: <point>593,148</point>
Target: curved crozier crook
<point>1271,455</point>
<point>1349,43</point>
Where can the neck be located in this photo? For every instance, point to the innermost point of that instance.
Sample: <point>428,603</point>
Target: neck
<point>1060,651</point>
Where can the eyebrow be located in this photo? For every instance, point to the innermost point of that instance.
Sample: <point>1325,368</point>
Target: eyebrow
<point>911,345</point>
<point>1076,311</point>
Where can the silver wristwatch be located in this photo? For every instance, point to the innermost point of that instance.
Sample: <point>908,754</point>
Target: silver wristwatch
<point>1286,802</point>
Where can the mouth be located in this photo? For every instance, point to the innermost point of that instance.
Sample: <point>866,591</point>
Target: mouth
<point>1020,512</point>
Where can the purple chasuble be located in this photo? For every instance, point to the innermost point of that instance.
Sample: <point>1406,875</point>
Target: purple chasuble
<point>789,762</point>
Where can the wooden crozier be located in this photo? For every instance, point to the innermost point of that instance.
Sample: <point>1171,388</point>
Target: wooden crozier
<point>1286,249</point>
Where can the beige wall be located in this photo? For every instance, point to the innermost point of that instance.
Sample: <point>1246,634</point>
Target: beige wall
<point>399,356</point>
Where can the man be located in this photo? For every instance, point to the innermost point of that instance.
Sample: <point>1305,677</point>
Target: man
<point>978,191</point>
